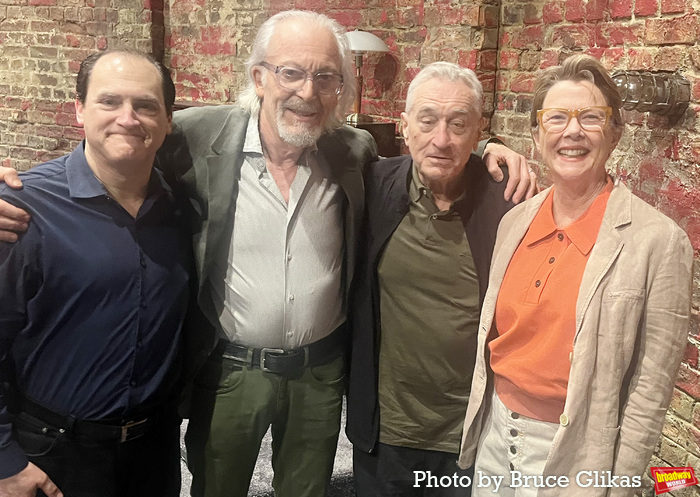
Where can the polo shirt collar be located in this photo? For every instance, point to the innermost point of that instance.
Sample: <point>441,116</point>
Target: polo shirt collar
<point>82,182</point>
<point>416,188</point>
<point>583,232</point>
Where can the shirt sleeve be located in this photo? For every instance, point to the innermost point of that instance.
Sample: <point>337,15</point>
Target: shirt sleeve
<point>20,279</point>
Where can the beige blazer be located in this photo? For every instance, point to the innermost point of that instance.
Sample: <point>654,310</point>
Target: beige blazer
<point>632,319</point>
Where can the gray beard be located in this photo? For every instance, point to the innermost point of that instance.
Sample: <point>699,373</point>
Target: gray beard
<point>302,138</point>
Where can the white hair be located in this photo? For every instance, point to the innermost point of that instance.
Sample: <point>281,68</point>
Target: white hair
<point>249,100</point>
<point>450,72</point>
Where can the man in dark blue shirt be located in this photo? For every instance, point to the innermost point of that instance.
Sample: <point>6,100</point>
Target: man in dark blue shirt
<point>92,299</point>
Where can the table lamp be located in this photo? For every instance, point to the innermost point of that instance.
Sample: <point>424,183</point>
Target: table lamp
<point>361,42</point>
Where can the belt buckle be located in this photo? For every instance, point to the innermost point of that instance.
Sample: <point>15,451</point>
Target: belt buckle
<point>128,426</point>
<point>263,355</point>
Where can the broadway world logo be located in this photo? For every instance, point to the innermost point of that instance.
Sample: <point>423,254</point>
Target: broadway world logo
<point>667,479</point>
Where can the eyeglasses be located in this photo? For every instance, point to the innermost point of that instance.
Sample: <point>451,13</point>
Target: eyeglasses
<point>289,78</point>
<point>589,118</point>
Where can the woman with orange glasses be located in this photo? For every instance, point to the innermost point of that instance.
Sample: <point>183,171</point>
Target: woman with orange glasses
<point>586,316</point>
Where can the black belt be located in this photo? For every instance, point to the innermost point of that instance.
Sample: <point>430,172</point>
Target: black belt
<point>281,361</point>
<point>95,431</point>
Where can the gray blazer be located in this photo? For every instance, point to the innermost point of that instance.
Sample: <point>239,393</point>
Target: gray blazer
<point>203,155</point>
<point>632,319</point>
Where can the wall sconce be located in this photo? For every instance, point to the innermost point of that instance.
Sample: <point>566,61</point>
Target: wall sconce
<point>663,93</point>
<point>361,42</point>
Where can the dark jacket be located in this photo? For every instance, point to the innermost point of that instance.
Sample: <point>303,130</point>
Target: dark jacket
<point>387,202</point>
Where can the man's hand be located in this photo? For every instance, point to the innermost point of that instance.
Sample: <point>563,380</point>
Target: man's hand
<point>522,182</point>
<point>26,482</point>
<point>12,219</point>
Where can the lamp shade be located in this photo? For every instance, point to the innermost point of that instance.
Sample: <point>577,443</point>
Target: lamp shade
<point>362,41</point>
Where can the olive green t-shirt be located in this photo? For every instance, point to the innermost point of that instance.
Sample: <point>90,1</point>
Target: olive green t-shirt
<point>429,305</point>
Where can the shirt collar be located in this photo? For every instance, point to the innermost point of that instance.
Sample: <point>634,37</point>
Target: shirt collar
<point>417,189</point>
<point>82,182</point>
<point>252,145</point>
<point>583,232</point>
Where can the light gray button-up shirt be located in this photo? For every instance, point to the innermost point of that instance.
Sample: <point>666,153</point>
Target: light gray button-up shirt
<point>282,273</point>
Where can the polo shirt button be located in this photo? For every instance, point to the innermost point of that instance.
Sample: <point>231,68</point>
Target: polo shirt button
<point>560,236</point>
<point>143,262</point>
<point>564,420</point>
<point>551,260</point>
<point>512,468</point>
<point>514,415</point>
<point>132,383</point>
<point>538,283</point>
<point>434,216</point>
<point>513,450</point>
<point>514,432</point>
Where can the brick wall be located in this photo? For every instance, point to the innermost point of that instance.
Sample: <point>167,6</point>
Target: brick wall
<point>41,44</point>
<point>207,42</point>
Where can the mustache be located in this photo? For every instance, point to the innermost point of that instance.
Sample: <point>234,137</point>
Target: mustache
<point>301,106</point>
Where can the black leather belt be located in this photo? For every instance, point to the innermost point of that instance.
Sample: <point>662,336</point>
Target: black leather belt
<point>95,431</point>
<point>281,361</point>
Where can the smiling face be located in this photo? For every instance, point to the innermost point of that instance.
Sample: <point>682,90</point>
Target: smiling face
<point>124,114</point>
<point>575,155</point>
<point>299,117</point>
<point>441,130</point>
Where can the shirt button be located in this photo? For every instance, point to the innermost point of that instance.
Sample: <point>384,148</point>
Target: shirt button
<point>514,415</point>
<point>512,468</point>
<point>551,260</point>
<point>564,420</point>
<point>139,344</point>
<point>291,297</point>
<point>538,283</point>
<point>560,236</point>
<point>143,262</point>
<point>143,305</point>
<point>434,216</point>
<point>132,383</point>
<point>513,450</point>
<point>513,432</point>
<point>289,257</point>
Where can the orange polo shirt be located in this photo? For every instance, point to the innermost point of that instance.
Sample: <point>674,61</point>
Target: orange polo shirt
<point>536,311</point>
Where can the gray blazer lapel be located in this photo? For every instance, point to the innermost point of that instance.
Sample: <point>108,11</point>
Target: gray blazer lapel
<point>223,167</point>
<point>606,249</point>
<point>347,173</point>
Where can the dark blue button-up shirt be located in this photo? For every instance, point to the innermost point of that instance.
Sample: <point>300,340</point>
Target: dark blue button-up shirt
<point>91,299</point>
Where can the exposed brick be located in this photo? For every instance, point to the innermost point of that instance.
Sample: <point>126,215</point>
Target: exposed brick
<point>508,59</point>
<point>528,37</point>
<point>689,380</point>
<point>575,11</point>
<point>523,83</point>
<point>573,35</point>
<point>532,14</point>
<point>596,9</point>
<point>646,7</point>
<point>678,30</point>
<point>673,6</point>
<point>552,13</point>
<point>611,34</point>
<point>621,9</point>
<point>691,355</point>
<point>682,405</point>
